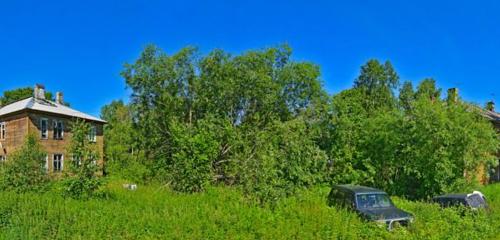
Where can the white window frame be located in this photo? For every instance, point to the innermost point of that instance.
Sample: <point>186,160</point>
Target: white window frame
<point>3,130</point>
<point>78,160</point>
<point>56,129</point>
<point>46,132</point>
<point>93,134</point>
<point>54,160</point>
<point>94,160</point>
<point>47,162</point>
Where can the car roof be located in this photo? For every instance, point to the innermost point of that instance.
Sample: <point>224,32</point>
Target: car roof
<point>452,196</point>
<point>358,189</point>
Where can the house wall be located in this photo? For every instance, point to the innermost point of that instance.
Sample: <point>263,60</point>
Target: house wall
<point>16,130</point>
<point>495,174</point>
<point>18,126</point>
<point>60,146</point>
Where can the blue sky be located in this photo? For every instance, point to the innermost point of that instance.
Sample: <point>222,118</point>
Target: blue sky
<point>79,47</point>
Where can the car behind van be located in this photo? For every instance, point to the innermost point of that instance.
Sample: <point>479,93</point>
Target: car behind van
<point>474,201</point>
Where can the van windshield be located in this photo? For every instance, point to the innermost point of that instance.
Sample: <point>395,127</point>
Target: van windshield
<point>373,200</point>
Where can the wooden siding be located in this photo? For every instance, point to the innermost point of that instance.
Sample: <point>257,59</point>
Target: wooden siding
<point>16,130</point>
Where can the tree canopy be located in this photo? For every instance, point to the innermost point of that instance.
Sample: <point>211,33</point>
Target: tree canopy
<point>15,95</point>
<point>263,122</point>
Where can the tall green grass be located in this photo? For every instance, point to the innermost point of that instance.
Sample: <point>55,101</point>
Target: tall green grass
<point>154,212</point>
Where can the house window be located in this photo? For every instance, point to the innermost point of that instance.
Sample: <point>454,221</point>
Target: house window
<point>58,129</point>
<point>44,128</point>
<point>77,160</point>
<point>46,160</point>
<point>93,133</point>
<point>3,130</point>
<point>58,162</point>
<point>94,160</point>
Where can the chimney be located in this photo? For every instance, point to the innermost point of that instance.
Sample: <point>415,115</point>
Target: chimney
<point>453,95</point>
<point>59,98</point>
<point>39,91</point>
<point>490,106</point>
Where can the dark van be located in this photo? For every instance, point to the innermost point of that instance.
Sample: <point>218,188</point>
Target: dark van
<point>370,203</point>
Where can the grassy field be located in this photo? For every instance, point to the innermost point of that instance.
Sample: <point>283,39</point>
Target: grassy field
<point>154,212</point>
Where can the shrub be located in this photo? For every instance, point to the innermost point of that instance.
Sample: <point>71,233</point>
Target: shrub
<point>82,181</point>
<point>279,160</point>
<point>25,169</point>
<point>195,148</point>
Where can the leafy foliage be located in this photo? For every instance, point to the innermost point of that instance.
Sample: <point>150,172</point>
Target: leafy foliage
<point>180,101</point>
<point>263,122</point>
<point>25,169</point>
<point>428,89</point>
<point>20,94</point>
<point>123,155</point>
<point>406,96</point>
<point>277,161</point>
<point>194,148</point>
<point>377,81</point>
<point>425,148</point>
<point>82,180</point>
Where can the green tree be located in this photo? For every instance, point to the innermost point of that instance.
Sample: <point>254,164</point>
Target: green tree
<point>15,95</point>
<point>406,96</point>
<point>378,81</point>
<point>82,180</point>
<point>277,161</point>
<point>425,147</point>
<point>262,121</point>
<point>25,169</point>
<point>198,117</point>
<point>195,149</point>
<point>123,154</point>
<point>243,93</point>
<point>428,89</point>
<point>349,117</point>
<point>427,152</point>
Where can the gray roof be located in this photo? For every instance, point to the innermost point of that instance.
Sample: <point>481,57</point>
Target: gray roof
<point>492,116</point>
<point>359,189</point>
<point>45,106</point>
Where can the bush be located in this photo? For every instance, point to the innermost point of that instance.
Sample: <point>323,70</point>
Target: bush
<point>279,160</point>
<point>80,187</point>
<point>82,181</point>
<point>195,148</point>
<point>25,169</point>
<point>427,152</point>
<point>134,171</point>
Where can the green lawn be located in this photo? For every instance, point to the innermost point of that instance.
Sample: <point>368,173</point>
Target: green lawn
<point>154,212</point>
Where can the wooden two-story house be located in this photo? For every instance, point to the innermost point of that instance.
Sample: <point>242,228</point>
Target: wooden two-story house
<point>494,118</point>
<point>51,122</point>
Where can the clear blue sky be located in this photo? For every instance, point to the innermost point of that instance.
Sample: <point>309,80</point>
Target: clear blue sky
<point>80,48</point>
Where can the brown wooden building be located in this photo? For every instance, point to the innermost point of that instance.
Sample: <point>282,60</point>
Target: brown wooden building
<point>51,122</point>
<point>494,118</point>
